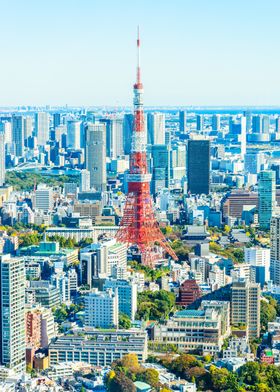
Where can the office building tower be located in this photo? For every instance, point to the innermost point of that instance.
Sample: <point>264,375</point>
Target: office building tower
<point>245,306</point>
<point>18,134</point>
<point>84,180</point>
<point>198,166</point>
<point>28,127</point>
<point>56,120</point>
<point>277,124</point>
<point>70,188</point>
<point>200,122</point>
<point>275,249</point>
<point>267,197</point>
<point>2,158</point>
<point>101,260</point>
<point>183,121</point>
<point>257,124</point>
<point>127,295</point>
<point>156,128</point>
<point>102,309</point>
<point>42,128</point>
<point>243,136</point>
<point>248,114</point>
<point>253,162</point>
<point>259,259</point>
<point>265,124</point>
<point>128,123</point>
<point>216,122</point>
<point>159,167</point>
<point>6,128</point>
<point>178,161</point>
<point>12,299</point>
<point>44,198</point>
<point>73,134</point>
<point>117,141</point>
<point>95,155</point>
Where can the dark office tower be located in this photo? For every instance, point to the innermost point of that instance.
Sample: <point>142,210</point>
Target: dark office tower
<point>56,120</point>
<point>265,124</point>
<point>199,122</point>
<point>128,121</point>
<point>159,167</point>
<point>18,134</point>
<point>277,124</point>
<point>198,164</point>
<point>257,124</point>
<point>248,115</point>
<point>183,121</point>
<point>216,122</point>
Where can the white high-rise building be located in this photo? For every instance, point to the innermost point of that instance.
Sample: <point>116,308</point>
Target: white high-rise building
<point>96,155</point>
<point>18,134</point>
<point>6,128</point>
<point>243,136</point>
<point>260,258</point>
<point>156,128</point>
<point>28,127</point>
<point>84,180</point>
<point>73,134</point>
<point>117,138</point>
<point>127,295</point>
<point>12,322</point>
<point>42,128</point>
<point>44,198</point>
<point>2,158</point>
<point>102,309</point>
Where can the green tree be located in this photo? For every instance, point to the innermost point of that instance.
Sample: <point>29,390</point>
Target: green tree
<point>124,321</point>
<point>121,383</point>
<point>219,377</point>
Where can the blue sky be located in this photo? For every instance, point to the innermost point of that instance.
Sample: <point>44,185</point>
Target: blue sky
<point>194,52</point>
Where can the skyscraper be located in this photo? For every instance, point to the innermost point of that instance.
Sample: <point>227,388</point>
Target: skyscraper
<point>267,197</point>
<point>253,162</point>
<point>277,124</point>
<point>245,306</point>
<point>56,120</point>
<point>160,167</point>
<point>12,323</point>
<point>243,137</point>
<point>275,249</point>
<point>265,124</point>
<point>73,134</point>
<point>18,134</point>
<point>200,122</point>
<point>128,121</point>
<point>183,121</point>
<point>156,128</point>
<point>2,158</point>
<point>28,127</point>
<point>248,114</point>
<point>42,128</point>
<point>95,155</point>
<point>216,122</point>
<point>198,166</point>
<point>6,127</point>
<point>257,124</point>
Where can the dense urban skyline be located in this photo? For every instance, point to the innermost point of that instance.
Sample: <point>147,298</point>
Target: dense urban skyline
<point>194,53</point>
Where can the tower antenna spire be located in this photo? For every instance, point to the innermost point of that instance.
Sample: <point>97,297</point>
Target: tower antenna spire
<point>138,56</point>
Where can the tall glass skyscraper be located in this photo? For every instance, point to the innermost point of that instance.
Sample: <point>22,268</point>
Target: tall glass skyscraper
<point>267,197</point>
<point>198,164</point>
<point>12,322</point>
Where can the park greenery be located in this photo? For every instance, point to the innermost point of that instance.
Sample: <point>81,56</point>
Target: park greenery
<point>229,252</point>
<point>151,274</point>
<point>26,181</point>
<point>155,305</point>
<point>126,371</point>
<point>207,377</point>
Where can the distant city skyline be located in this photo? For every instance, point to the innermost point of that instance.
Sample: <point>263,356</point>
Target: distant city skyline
<point>193,53</point>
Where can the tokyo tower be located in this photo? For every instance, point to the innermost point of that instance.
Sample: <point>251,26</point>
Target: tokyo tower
<point>138,226</point>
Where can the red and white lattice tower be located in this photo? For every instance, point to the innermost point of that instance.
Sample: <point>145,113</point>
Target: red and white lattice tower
<point>138,226</point>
